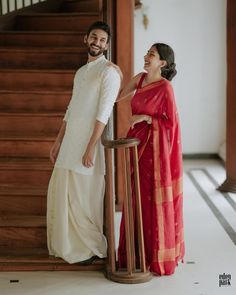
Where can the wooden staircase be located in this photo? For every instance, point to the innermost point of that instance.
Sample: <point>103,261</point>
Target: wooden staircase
<point>38,60</point>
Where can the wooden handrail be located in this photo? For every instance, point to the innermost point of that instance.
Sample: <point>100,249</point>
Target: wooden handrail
<point>133,273</point>
<point>120,143</point>
<point>10,6</point>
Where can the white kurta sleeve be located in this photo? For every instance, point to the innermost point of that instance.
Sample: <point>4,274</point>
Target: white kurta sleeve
<point>110,86</point>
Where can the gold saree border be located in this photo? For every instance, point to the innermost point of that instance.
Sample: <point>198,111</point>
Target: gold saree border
<point>158,193</point>
<point>161,195</point>
<point>165,255</point>
<point>150,86</point>
<point>169,193</point>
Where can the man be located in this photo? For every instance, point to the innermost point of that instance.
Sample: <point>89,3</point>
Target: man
<point>76,188</point>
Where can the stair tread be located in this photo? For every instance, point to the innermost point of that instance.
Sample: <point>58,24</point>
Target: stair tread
<point>36,91</point>
<point>16,190</point>
<point>29,137</point>
<point>30,113</point>
<point>40,49</point>
<point>58,14</point>
<point>40,259</point>
<point>22,221</point>
<point>79,1</point>
<point>33,136</point>
<point>42,38</point>
<point>16,253</point>
<point>17,70</point>
<point>22,32</point>
<point>25,163</point>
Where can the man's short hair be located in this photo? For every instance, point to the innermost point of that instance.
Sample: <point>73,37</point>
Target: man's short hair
<point>101,26</point>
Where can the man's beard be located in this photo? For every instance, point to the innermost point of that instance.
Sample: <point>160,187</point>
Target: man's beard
<point>94,53</point>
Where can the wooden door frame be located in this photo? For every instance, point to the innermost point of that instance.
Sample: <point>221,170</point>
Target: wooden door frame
<point>125,59</point>
<point>230,183</point>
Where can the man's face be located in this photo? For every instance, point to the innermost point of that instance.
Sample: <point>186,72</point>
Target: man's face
<point>96,42</point>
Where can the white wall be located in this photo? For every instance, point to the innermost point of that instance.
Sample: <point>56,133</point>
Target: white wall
<point>196,30</point>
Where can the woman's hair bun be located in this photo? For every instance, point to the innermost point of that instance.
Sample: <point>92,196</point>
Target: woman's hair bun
<point>166,53</point>
<point>169,71</point>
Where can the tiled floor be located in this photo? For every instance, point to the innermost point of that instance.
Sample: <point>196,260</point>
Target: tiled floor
<point>210,235</point>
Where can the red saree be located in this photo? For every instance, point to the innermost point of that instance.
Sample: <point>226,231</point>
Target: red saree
<point>160,168</point>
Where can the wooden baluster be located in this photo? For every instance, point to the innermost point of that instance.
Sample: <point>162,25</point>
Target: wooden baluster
<point>132,274</point>
<point>139,210</point>
<point>8,6</point>
<point>130,208</point>
<point>109,212</point>
<point>128,216</point>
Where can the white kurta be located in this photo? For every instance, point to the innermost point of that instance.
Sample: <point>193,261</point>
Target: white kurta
<point>75,193</point>
<point>96,86</point>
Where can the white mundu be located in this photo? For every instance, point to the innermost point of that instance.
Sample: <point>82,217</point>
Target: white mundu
<point>75,193</point>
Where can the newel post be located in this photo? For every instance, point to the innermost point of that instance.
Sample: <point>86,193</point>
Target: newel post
<point>135,272</point>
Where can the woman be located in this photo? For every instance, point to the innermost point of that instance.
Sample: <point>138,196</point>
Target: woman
<point>155,122</point>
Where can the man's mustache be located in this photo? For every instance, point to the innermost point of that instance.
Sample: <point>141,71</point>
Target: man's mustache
<point>92,44</point>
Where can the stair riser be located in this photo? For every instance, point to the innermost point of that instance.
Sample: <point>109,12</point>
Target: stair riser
<point>26,125</point>
<point>17,237</point>
<point>49,267</point>
<point>36,80</point>
<point>22,177</point>
<point>55,23</point>
<point>14,255</point>
<point>34,102</point>
<point>37,60</point>
<point>25,149</point>
<point>30,205</point>
<point>82,6</point>
<point>44,40</point>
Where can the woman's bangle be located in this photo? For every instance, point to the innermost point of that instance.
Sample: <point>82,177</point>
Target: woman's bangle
<point>149,119</point>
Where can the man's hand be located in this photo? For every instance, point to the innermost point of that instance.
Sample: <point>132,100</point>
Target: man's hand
<point>54,151</point>
<point>56,146</point>
<point>140,118</point>
<point>87,159</point>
